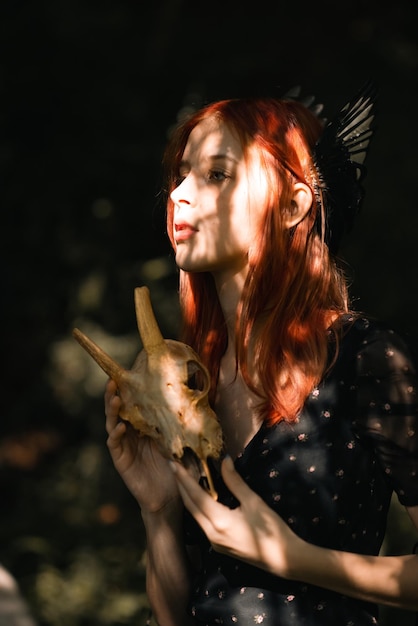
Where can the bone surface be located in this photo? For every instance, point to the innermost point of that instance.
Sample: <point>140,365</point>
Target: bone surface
<point>165,393</point>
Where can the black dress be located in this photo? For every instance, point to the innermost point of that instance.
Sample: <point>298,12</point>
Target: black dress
<point>330,476</point>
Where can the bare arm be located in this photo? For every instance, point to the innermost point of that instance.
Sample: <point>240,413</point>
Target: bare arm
<point>168,568</point>
<point>391,580</point>
<point>147,475</point>
<point>254,533</point>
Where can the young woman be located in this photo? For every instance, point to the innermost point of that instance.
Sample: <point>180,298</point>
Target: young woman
<point>317,403</point>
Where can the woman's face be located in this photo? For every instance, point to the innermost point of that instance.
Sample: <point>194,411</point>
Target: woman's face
<point>219,202</point>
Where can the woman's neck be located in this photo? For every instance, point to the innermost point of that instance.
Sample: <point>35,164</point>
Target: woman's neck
<point>229,286</point>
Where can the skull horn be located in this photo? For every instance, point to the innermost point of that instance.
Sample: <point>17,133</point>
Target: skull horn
<point>152,339</point>
<point>112,368</point>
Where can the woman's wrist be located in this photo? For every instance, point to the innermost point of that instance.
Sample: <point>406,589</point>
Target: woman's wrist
<point>295,564</point>
<point>171,512</point>
<point>303,562</point>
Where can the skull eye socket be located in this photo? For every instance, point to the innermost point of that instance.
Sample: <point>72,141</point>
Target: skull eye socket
<point>197,379</point>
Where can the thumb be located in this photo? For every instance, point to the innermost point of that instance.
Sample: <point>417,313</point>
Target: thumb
<point>236,485</point>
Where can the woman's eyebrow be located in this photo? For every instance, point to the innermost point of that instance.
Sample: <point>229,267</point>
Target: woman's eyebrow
<point>222,157</point>
<point>211,158</point>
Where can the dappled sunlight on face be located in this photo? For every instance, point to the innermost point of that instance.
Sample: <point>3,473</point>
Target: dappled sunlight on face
<point>218,202</point>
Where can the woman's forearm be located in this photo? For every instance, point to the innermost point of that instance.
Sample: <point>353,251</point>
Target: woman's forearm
<point>168,570</point>
<point>254,533</point>
<point>391,580</point>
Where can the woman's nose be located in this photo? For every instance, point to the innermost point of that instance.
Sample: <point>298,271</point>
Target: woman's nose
<point>183,192</point>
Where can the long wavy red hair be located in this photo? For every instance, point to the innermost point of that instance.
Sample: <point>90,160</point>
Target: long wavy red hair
<point>294,287</point>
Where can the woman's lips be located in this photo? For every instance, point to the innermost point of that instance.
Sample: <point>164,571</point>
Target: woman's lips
<point>183,232</point>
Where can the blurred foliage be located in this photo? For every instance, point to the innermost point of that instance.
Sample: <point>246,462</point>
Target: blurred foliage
<point>88,93</point>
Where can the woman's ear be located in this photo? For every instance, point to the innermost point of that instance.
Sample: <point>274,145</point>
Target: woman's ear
<point>300,205</point>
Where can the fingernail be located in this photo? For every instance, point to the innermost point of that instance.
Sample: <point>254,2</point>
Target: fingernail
<point>173,466</point>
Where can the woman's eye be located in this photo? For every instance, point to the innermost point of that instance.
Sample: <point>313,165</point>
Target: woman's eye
<point>217,175</point>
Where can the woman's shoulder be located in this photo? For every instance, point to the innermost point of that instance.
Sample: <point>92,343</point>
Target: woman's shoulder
<point>374,344</point>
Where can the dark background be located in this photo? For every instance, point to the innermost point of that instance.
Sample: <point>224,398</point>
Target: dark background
<point>88,92</point>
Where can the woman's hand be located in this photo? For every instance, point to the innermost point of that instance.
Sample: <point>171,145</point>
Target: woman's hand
<point>144,470</point>
<point>253,532</point>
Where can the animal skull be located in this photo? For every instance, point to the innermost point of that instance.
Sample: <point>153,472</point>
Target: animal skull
<point>165,394</point>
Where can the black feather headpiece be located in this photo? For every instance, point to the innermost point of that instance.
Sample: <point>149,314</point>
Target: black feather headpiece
<point>338,158</point>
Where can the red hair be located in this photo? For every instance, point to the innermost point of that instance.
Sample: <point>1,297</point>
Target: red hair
<point>293,288</point>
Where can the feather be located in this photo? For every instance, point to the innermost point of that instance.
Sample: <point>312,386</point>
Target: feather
<point>339,157</point>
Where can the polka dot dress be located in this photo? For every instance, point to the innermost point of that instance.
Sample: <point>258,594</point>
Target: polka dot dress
<point>330,476</point>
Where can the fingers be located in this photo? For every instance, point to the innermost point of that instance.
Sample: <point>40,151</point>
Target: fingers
<point>199,503</point>
<point>112,406</point>
<point>110,389</point>
<point>236,485</point>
